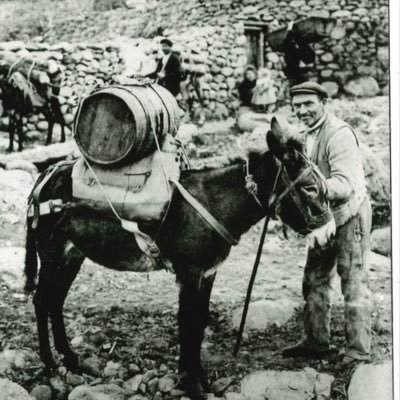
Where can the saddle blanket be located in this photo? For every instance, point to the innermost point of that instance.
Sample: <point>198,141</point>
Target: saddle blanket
<point>138,192</point>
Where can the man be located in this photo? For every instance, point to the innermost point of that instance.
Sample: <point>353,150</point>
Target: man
<point>333,146</point>
<point>168,72</point>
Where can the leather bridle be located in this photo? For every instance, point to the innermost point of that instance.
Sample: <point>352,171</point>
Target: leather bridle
<point>290,189</point>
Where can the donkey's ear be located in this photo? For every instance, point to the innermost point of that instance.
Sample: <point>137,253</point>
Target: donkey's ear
<point>277,148</point>
<point>276,138</point>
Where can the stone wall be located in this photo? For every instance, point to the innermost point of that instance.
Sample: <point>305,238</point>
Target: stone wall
<point>83,65</point>
<point>353,60</point>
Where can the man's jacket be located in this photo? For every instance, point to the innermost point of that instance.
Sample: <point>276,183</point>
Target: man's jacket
<point>337,154</point>
<point>173,74</point>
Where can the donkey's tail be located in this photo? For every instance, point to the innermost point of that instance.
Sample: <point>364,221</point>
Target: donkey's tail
<point>31,261</point>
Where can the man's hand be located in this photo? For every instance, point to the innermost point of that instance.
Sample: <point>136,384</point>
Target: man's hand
<point>321,236</point>
<point>161,75</point>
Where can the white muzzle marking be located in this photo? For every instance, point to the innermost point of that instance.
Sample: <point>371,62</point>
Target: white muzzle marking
<point>322,235</point>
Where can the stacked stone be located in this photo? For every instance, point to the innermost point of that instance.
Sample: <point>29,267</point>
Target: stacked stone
<point>84,66</point>
<point>353,60</point>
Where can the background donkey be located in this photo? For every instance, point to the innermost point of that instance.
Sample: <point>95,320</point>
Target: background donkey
<point>21,98</point>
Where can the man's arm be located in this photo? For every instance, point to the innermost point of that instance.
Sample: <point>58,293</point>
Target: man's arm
<point>344,158</point>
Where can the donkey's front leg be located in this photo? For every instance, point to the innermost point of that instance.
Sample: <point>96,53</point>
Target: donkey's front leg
<point>193,314</point>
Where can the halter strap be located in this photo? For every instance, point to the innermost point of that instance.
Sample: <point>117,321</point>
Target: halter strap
<point>210,219</point>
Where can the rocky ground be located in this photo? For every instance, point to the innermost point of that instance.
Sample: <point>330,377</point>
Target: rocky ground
<point>124,324</point>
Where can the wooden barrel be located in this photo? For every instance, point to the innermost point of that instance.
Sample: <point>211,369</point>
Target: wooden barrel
<point>118,124</point>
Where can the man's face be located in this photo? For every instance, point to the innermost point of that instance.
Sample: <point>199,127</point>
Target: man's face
<point>309,108</point>
<point>165,48</point>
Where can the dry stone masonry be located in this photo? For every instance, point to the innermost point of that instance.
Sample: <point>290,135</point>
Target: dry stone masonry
<point>210,34</point>
<point>353,60</point>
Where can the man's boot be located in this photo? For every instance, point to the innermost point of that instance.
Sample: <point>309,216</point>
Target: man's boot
<point>304,349</point>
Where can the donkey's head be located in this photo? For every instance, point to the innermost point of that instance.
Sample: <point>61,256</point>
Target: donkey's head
<point>300,193</point>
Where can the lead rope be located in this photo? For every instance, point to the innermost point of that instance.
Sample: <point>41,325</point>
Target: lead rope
<point>254,272</point>
<point>250,287</point>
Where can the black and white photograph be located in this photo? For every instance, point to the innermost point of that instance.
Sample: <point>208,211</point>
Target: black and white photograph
<point>199,199</point>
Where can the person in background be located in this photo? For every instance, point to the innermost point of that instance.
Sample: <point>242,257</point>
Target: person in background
<point>248,117</point>
<point>169,71</point>
<point>333,147</point>
<point>246,89</point>
<point>264,93</point>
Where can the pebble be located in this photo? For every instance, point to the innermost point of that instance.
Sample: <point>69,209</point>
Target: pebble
<point>92,366</point>
<point>166,384</point>
<point>142,388</point>
<point>131,386</point>
<point>74,380</point>
<point>152,385</point>
<point>220,385</point>
<point>147,376</point>
<point>41,392</point>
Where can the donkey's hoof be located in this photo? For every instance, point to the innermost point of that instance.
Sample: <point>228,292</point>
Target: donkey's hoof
<point>192,388</point>
<point>71,362</point>
<point>50,367</point>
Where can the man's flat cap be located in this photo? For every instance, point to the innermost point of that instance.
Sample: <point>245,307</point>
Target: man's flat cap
<point>166,41</point>
<point>308,88</point>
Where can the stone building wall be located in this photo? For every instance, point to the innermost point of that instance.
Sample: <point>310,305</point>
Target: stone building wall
<point>353,60</point>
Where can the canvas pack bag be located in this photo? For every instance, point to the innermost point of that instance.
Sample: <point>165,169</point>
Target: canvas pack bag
<point>139,192</point>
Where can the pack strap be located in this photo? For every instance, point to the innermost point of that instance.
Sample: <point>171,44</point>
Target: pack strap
<point>33,199</point>
<point>47,207</point>
<point>205,214</point>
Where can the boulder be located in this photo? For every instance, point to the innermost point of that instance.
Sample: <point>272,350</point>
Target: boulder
<point>221,112</point>
<point>22,165</point>
<point>338,32</point>
<point>112,368</point>
<point>327,57</point>
<point>74,379</point>
<point>92,366</point>
<point>371,382</point>
<point>326,73</point>
<point>287,385</point>
<point>378,183</point>
<point>98,392</point>
<point>66,91</point>
<point>381,241</point>
<point>331,87</point>
<point>248,121</point>
<point>365,86</point>
<point>265,313</point>
<point>10,390</point>
<point>166,384</point>
<point>273,57</point>
<point>227,71</point>
<point>11,359</point>
<point>380,263</point>
<point>383,54</point>
<point>220,385</point>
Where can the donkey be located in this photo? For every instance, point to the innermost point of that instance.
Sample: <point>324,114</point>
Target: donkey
<point>21,98</point>
<point>63,240</point>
